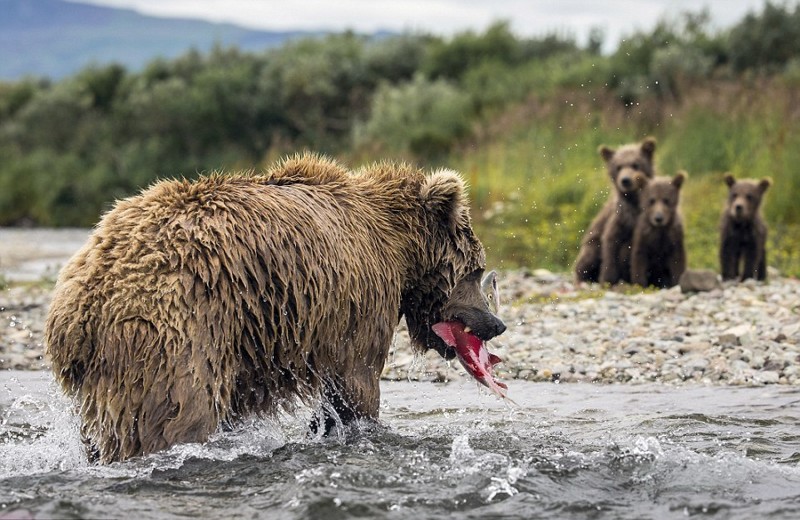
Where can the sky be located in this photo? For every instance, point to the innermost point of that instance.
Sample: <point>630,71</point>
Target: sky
<point>617,18</point>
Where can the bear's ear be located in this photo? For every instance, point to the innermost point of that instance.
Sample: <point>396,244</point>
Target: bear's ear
<point>681,176</point>
<point>606,153</point>
<point>729,179</point>
<point>442,194</point>
<point>764,183</point>
<point>648,147</point>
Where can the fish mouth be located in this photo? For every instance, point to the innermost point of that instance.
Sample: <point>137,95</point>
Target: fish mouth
<point>471,351</point>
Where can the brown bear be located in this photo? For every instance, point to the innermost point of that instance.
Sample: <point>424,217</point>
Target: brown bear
<point>743,232</point>
<point>658,256</point>
<point>629,168</point>
<point>196,304</point>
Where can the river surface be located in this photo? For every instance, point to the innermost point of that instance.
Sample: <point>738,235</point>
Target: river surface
<point>441,451</point>
<point>31,254</point>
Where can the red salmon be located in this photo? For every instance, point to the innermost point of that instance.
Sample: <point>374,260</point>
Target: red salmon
<point>472,353</point>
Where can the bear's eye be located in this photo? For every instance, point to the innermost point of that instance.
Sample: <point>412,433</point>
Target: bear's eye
<point>749,197</point>
<point>652,201</point>
<point>635,166</point>
<point>619,168</point>
<point>666,201</point>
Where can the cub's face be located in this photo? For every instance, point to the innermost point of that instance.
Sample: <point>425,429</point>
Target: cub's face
<point>744,197</point>
<point>660,198</point>
<point>630,166</point>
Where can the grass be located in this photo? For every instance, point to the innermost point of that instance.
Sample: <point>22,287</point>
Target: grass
<point>536,179</point>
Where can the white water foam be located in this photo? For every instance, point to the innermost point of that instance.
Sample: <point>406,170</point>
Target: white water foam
<point>48,437</point>
<point>504,471</point>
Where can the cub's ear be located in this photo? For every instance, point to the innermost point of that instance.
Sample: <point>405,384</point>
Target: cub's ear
<point>443,195</point>
<point>606,153</point>
<point>678,179</point>
<point>648,147</point>
<point>729,179</point>
<point>765,183</point>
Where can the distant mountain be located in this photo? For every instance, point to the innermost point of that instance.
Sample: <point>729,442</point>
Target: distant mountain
<point>56,38</point>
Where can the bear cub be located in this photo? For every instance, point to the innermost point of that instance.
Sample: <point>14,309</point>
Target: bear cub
<point>658,256</point>
<point>604,252</point>
<point>743,232</point>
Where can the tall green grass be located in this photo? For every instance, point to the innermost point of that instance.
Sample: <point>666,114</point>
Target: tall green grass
<point>537,180</point>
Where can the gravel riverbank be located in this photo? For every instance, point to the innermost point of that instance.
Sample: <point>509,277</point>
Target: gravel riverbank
<point>739,334</point>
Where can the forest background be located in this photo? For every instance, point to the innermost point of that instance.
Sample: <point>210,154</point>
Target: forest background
<point>521,118</point>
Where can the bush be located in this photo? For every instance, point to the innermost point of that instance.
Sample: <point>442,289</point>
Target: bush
<point>422,117</point>
<point>452,59</point>
<point>766,41</point>
<point>678,64</point>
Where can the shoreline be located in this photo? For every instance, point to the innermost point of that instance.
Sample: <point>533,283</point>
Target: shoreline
<point>739,334</point>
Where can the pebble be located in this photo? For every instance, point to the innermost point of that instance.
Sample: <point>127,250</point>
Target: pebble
<point>22,314</point>
<point>736,334</point>
<point>697,280</point>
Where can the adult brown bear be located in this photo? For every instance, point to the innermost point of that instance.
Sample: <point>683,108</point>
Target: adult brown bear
<point>196,304</point>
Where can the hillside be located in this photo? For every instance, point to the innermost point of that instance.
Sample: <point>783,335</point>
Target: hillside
<point>56,38</point>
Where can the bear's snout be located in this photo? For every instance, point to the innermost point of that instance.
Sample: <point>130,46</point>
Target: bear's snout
<point>630,180</point>
<point>658,219</point>
<point>485,325</point>
<point>494,327</point>
<point>499,327</point>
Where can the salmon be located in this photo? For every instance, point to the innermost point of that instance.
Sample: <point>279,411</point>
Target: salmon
<point>473,355</point>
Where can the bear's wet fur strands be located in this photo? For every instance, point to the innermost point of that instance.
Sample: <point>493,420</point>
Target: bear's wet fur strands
<point>196,304</point>
<point>604,254</point>
<point>658,255</point>
<point>743,231</point>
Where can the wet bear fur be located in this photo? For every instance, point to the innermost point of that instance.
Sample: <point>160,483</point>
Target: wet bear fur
<point>658,257</point>
<point>604,254</point>
<point>743,231</point>
<point>196,304</point>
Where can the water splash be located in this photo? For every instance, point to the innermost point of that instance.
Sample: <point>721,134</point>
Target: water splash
<point>502,471</point>
<point>40,435</point>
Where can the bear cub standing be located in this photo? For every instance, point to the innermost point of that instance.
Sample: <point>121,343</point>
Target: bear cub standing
<point>743,231</point>
<point>604,254</point>
<point>658,257</point>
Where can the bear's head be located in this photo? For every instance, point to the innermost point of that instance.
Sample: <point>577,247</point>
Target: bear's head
<point>744,197</point>
<point>630,166</point>
<point>660,198</point>
<point>444,304</point>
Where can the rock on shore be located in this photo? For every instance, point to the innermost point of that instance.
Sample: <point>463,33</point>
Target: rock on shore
<point>739,334</point>
<point>22,314</point>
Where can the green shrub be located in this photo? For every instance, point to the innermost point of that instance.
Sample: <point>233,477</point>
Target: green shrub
<point>766,41</point>
<point>422,117</point>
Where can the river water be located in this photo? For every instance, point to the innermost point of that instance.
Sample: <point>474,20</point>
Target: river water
<point>28,255</point>
<point>441,451</point>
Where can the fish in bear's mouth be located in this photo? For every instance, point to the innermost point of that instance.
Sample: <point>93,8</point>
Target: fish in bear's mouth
<point>472,353</point>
